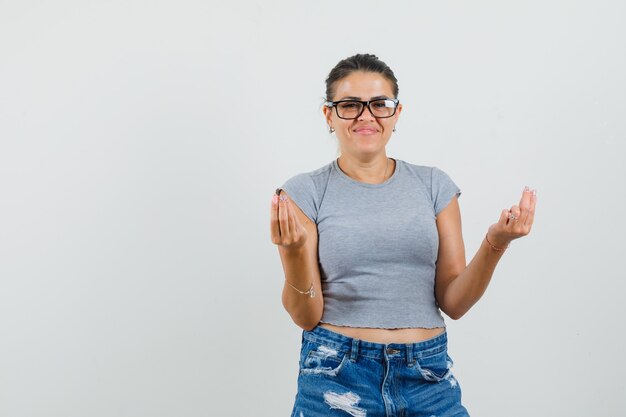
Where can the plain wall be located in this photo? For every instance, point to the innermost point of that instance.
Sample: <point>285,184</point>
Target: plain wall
<point>140,143</point>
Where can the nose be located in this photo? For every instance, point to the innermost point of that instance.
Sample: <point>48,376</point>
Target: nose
<point>366,114</point>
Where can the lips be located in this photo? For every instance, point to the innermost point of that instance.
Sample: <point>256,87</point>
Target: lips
<point>366,130</point>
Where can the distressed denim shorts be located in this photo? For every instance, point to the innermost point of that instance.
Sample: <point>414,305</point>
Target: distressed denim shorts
<point>342,376</point>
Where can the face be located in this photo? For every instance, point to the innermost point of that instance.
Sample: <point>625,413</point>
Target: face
<point>366,135</point>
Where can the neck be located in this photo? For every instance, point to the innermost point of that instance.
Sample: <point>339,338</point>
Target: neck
<point>374,171</point>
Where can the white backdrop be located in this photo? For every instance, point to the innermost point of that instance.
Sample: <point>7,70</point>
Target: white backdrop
<point>141,141</point>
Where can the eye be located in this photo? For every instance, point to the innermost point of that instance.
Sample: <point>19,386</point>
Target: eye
<point>381,104</point>
<point>348,105</point>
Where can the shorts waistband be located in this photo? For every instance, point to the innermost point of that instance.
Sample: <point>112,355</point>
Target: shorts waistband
<point>355,347</point>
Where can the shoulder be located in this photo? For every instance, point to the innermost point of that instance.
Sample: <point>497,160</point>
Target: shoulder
<point>311,178</point>
<point>430,174</point>
<point>426,174</point>
<point>438,183</point>
<point>420,171</point>
<point>307,189</point>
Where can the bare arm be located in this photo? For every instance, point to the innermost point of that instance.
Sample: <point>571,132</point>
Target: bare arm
<point>457,286</point>
<point>296,238</point>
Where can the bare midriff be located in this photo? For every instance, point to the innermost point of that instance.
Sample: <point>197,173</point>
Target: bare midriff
<point>409,335</point>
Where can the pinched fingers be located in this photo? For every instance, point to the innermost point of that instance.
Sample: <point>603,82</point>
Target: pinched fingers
<point>515,226</point>
<point>504,218</point>
<point>514,222</point>
<point>531,209</point>
<point>274,226</point>
<point>297,232</point>
<point>521,217</point>
<point>283,217</point>
<point>274,229</point>
<point>287,230</point>
<point>527,207</point>
<point>513,216</point>
<point>293,222</point>
<point>524,205</point>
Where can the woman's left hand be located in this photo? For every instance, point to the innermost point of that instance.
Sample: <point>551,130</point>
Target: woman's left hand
<point>515,222</point>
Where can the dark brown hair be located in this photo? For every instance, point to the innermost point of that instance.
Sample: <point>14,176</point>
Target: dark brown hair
<point>359,62</point>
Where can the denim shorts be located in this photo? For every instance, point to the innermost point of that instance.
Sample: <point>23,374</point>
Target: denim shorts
<point>342,376</point>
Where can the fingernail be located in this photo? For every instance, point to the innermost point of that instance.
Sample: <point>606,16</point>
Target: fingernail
<point>274,199</point>
<point>535,192</point>
<point>283,198</point>
<point>526,189</point>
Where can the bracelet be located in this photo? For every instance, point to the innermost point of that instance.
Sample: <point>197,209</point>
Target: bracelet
<point>495,247</point>
<point>310,291</point>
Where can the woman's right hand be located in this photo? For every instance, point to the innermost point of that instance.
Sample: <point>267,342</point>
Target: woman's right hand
<point>286,230</point>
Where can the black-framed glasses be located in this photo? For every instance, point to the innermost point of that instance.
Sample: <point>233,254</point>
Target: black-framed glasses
<point>352,109</point>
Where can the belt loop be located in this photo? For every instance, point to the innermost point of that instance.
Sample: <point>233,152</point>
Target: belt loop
<point>355,350</point>
<point>409,354</point>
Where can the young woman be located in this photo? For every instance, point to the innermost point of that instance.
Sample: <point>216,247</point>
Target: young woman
<point>373,253</point>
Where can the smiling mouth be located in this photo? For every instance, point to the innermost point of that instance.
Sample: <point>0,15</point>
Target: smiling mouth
<point>366,131</point>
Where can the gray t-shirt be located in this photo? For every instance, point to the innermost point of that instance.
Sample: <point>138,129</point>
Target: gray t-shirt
<point>377,243</point>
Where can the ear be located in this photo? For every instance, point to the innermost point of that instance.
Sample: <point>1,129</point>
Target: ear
<point>398,111</point>
<point>328,113</point>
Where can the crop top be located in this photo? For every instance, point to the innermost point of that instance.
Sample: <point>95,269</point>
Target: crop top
<point>377,243</point>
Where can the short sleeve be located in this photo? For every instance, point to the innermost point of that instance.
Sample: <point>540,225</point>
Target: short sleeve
<point>301,189</point>
<point>442,189</point>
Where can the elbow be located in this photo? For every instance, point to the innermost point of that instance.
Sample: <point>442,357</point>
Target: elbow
<point>305,317</point>
<point>454,314</point>
<point>309,320</point>
<point>306,323</point>
<point>308,326</point>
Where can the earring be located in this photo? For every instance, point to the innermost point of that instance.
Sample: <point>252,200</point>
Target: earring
<point>330,129</point>
<point>394,129</point>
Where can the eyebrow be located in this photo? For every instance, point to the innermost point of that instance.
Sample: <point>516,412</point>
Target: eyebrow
<point>359,98</point>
